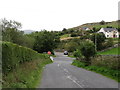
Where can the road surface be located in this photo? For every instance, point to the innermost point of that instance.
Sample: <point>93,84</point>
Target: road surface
<point>61,74</point>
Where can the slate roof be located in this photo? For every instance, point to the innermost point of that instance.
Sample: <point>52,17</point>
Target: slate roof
<point>109,29</point>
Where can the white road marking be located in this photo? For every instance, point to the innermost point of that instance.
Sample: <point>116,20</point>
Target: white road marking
<point>65,70</point>
<point>58,65</point>
<point>74,81</point>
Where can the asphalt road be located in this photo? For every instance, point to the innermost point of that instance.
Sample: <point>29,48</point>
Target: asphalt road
<point>61,74</point>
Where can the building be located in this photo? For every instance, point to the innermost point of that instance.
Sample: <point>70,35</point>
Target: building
<point>109,32</point>
<point>85,28</point>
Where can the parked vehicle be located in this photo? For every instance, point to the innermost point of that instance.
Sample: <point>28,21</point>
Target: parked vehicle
<point>65,52</point>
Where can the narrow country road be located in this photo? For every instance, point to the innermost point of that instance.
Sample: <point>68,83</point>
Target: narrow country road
<point>61,74</point>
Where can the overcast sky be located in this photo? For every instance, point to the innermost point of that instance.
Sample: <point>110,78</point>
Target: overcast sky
<point>58,14</point>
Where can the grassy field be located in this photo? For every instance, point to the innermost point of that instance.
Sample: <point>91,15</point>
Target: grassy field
<point>113,51</point>
<point>65,36</point>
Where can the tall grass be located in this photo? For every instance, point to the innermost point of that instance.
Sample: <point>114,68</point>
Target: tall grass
<point>26,75</point>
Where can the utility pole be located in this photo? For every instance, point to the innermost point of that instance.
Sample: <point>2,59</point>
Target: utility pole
<point>95,42</point>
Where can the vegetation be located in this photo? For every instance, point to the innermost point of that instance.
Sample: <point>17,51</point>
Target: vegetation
<point>86,49</point>
<point>45,41</point>
<point>71,46</point>
<point>113,51</point>
<point>11,33</point>
<point>20,62</point>
<point>65,36</point>
<point>77,54</point>
<point>110,61</point>
<point>26,75</point>
<point>97,25</point>
<point>111,73</point>
<point>17,62</point>
<point>98,39</point>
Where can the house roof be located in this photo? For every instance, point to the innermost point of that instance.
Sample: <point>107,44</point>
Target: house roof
<point>84,28</point>
<point>109,29</point>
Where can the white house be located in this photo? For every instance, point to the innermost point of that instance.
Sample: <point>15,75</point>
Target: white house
<point>109,32</point>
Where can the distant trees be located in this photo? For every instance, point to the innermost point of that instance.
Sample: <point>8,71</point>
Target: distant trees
<point>74,35</point>
<point>45,41</point>
<point>11,33</point>
<point>71,46</point>
<point>102,22</point>
<point>10,30</point>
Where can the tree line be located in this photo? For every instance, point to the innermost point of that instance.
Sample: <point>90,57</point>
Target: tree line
<point>42,41</point>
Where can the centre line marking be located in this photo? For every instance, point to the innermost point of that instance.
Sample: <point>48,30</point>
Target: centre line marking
<point>65,70</point>
<point>74,81</point>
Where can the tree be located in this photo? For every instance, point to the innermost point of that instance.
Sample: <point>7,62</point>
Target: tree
<point>45,41</point>
<point>74,35</point>
<point>64,31</point>
<point>98,39</point>
<point>10,30</point>
<point>88,50</point>
<point>102,22</point>
<point>11,33</point>
<point>71,46</point>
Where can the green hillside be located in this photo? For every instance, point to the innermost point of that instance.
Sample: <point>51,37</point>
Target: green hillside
<point>113,24</point>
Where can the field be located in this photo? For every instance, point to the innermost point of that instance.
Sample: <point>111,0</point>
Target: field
<point>113,51</point>
<point>65,36</point>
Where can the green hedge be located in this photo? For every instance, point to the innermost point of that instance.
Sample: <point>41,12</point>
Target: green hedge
<point>13,55</point>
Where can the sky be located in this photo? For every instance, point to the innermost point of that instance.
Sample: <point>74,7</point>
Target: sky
<point>58,14</point>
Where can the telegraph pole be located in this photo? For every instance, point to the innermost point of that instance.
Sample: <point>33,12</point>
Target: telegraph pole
<point>95,42</point>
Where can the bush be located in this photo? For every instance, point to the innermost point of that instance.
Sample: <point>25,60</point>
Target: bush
<point>74,35</point>
<point>88,50</point>
<point>77,54</point>
<point>13,55</point>
<point>109,43</point>
<point>109,61</point>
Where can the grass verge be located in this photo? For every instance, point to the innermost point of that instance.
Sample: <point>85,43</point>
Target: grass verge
<point>113,74</point>
<point>26,75</point>
<point>113,51</point>
<point>71,56</point>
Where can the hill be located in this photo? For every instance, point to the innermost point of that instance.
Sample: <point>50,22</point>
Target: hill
<point>28,31</point>
<point>97,25</point>
<point>81,29</point>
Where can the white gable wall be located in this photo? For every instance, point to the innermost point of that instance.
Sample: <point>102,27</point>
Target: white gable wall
<point>112,34</point>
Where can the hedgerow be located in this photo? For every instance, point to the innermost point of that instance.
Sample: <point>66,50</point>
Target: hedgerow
<point>13,55</point>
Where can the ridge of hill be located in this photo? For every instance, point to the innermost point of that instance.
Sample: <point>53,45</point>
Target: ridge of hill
<point>97,25</point>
